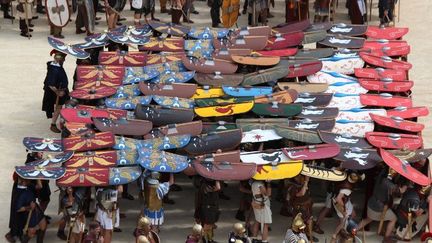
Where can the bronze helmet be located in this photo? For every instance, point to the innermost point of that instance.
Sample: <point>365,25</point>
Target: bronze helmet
<point>143,222</point>
<point>301,241</point>
<point>197,229</point>
<point>239,228</point>
<point>298,223</point>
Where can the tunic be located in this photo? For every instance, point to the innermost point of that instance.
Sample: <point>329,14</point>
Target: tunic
<point>154,194</point>
<point>56,76</point>
<point>263,215</point>
<point>291,237</point>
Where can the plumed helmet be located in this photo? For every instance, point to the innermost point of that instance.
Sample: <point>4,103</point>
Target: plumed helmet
<point>57,54</point>
<point>239,228</point>
<point>351,227</point>
<point>197,229</point>
<point>143,222</point>
<point>143,239</point>
<point>298,223</point>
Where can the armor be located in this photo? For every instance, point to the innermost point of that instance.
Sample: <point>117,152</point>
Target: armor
<point>152,202</point>
<point>298,223</point>
<point>197,229</point>
<point>239,228</point>
<point>143,223</point>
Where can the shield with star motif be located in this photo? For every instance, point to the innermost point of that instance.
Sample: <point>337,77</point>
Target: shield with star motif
<point>162,161</point>
<point>89,142</point>
<point>223,166</point>
<point>40,172</point>
<point>43,144</point>
<point>259,136</point>
<point>57,12</point>
<point>281,171</point>
<point>211,142</point>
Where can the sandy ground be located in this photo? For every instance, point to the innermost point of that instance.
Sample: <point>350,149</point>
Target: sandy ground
<point>23,68</point>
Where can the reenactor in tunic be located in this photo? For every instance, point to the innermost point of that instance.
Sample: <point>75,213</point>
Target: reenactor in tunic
<point>144,229</point>
<point>301,200</point>
<point>379,205</point>
<point>82,18</point>
<point>25,15</point>
<point>297,232</point>
<point>342,202</point>
<point>386,8</point>
<point>413,203</point>
<point>296,10</point>
<point>154,192</point>
<point>322,10</point>
<point>196,236</point>
<point>107,213</point>
<point>238,234</point>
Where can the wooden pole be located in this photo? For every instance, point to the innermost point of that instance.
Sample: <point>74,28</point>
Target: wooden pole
<point>27,221</point>
<point>380,226</point>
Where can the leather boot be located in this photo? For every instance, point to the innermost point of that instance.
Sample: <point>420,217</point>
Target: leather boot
<point>176,16</point>
<point>40,9</point>
<point>40,236</point>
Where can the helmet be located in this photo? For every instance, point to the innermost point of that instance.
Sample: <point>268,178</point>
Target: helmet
<point>143,239</point>
<point>298,223</point>
<point>155,175</point>
<point>238,241</point>
<point>239,228</point>
<point>143,222</point>
<point>425,189</point>
<point>391,173</point>
<point>301,241</point>
<point>197,229</point>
